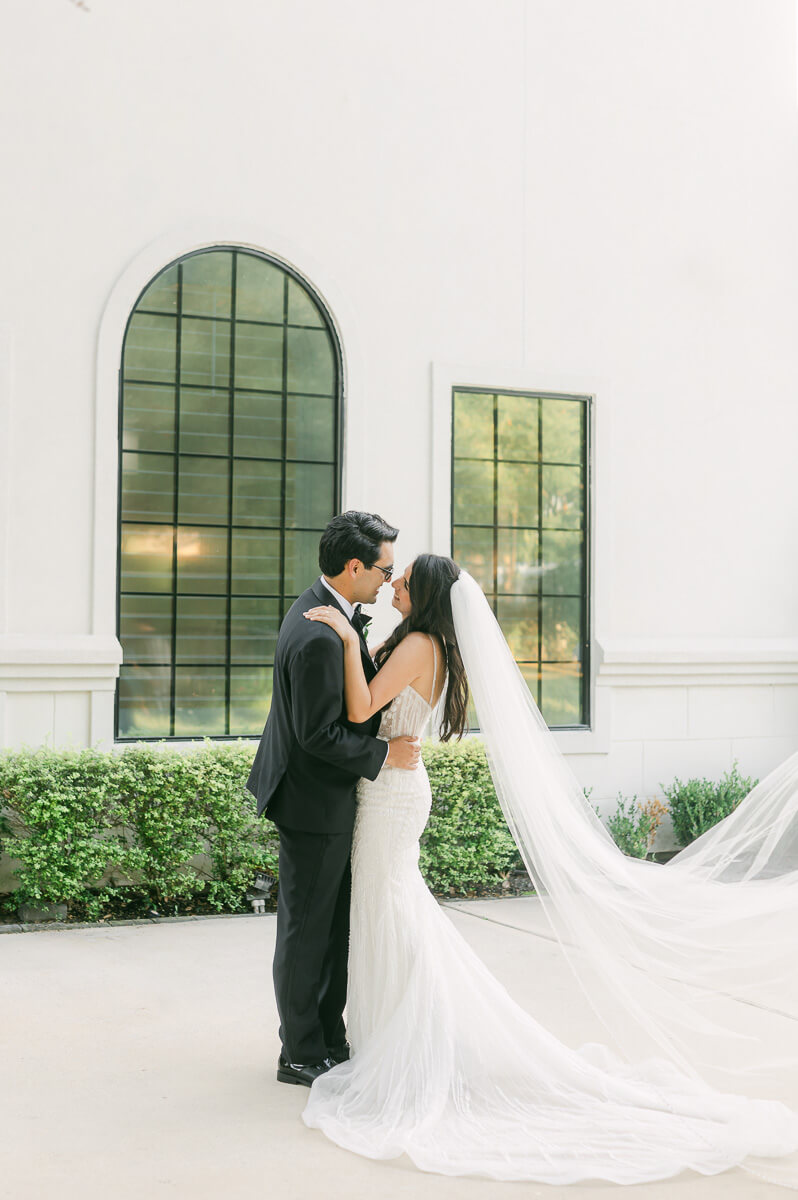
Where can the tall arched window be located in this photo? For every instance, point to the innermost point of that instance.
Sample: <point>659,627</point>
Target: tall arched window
<point>230,429</point>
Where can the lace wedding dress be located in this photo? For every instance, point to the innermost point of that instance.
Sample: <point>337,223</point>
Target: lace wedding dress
<point>449,1070</point>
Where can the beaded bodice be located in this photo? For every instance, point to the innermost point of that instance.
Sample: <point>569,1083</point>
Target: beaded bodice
<point>409,713</point>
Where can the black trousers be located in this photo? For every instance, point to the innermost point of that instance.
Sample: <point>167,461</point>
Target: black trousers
<point>310,957</point>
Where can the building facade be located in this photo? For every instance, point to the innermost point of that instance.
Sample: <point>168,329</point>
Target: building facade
<point>519,276</point>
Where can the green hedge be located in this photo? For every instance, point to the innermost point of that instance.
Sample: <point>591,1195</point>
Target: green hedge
<point>84,823</point>
<point>466,844</point>
<point>153,829</point>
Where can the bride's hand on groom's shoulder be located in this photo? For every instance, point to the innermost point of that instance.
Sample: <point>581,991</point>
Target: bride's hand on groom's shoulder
<point>335,619</point>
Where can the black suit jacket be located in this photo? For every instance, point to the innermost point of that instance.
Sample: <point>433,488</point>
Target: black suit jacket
<point>310,757</point>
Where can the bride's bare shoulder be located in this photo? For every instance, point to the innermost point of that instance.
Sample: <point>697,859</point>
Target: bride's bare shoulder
<point>413,652</point>
<point>413,645</point>
<point>416,649</point>
<point>424,643</point>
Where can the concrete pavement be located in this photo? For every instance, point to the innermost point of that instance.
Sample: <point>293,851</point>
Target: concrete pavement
<point>139,1061</point>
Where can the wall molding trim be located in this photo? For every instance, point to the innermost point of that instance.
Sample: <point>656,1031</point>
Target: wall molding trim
<point>66,663</point>
<point>692,662</point>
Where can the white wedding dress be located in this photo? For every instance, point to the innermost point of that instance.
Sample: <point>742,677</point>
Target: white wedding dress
<point>449,1070</point>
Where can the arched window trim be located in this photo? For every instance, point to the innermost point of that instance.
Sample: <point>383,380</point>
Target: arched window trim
<point>340,463</point>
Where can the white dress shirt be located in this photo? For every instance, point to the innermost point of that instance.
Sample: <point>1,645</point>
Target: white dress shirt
<point>348,608</point>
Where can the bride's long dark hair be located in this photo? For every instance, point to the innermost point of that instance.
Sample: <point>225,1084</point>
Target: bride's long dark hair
<point>430,586</point>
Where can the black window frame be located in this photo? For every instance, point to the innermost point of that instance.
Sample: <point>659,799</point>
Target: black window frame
<point>585,643</point>
<point>338,442</point>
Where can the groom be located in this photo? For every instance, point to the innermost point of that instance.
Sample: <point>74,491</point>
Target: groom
<point>304,778</point>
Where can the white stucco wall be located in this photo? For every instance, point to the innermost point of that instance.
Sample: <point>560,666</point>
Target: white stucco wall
<point>539,191</point>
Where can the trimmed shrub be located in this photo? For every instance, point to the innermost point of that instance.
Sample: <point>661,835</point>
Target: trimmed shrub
<point>59,813</point>
<point>153,829</point>
<point>698,804</point>
<point>466,844</point>
<point>83,823</point>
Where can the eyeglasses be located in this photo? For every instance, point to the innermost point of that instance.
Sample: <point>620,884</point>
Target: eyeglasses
<point>387,571</point>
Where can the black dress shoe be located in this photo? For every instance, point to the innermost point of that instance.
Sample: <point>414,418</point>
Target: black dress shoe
<point>301,1073</point>
<point>339,1054</point>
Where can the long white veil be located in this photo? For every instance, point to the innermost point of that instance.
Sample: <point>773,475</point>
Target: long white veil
<point>447,1068</point>
<point>665,954</point>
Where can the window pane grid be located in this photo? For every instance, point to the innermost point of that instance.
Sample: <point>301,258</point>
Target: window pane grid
<point>520,528</point>
<point>151,381</point>
<point>230,497</point>
<point>213,595</point>
<point>193,525</point>
<point>186,454</point>
<point>516,462</point>
<point>520,524</point>
<point>221,317</point>
<point>175,536</point>
<point>219,522</point>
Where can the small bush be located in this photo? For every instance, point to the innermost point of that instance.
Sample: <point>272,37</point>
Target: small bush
<point>698,804</point>
<point>634,826</point>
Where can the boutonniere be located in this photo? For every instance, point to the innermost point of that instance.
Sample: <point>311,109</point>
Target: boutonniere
<point>361,623</point>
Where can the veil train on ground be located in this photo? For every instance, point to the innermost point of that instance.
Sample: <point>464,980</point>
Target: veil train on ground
<point>447,1068</point>
<point>656,948</point>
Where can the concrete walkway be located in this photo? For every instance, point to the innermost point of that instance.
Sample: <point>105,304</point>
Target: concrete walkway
<point>138,1061</point>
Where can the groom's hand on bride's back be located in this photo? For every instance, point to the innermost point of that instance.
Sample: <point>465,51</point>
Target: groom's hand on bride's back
<point>404,753</point>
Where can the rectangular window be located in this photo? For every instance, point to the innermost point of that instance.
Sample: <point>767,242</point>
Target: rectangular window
<point>520,527</point>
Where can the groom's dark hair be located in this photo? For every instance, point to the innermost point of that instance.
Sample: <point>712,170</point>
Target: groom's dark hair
<point>353,535</point>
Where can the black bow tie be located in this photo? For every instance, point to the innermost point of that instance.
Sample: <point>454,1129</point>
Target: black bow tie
<point>360,621</point>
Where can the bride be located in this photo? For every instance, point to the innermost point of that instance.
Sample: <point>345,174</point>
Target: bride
<point>445,1066</point>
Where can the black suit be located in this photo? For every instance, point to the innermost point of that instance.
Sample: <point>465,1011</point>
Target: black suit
<point>304,778</point>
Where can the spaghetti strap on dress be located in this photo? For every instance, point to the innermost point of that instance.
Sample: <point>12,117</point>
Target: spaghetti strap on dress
<point>434,668</point>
